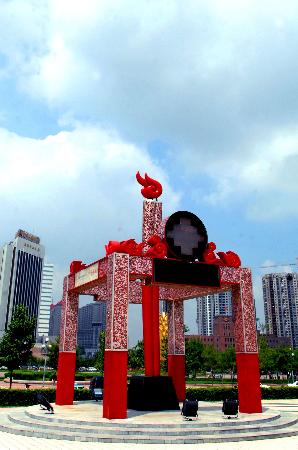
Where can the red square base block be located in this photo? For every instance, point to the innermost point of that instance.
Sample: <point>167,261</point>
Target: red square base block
<point>176,370</point>
<point>66,378</point>
<point>248,376</point>
<point>115,385</point>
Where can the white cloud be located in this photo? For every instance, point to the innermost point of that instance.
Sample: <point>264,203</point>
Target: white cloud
<point>76,190</point>
<point>214,80</point>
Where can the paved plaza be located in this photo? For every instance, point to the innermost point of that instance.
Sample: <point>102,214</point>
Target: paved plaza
<point>18,442</point>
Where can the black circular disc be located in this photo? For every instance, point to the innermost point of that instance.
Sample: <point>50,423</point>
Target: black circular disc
<point>186,236</point>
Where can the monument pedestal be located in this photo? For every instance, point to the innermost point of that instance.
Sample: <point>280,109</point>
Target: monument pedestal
<point>152,394</point>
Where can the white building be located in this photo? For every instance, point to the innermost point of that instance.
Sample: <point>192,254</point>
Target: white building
<point>21,264</point>
<point>280,295</point>
<point>46,298</point>
<point>210,306</point>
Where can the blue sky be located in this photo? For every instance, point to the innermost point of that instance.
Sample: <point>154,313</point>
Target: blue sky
<point>202,95</point>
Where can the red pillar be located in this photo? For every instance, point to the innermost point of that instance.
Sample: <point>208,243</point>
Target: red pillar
<point>176,370</point>
<point>155,330</point>
<point>115,385</point>
<point>247,361</point>
<point>147,330</point>
<point>115,362</point>
<point>176,347</point>
<point>150,312</point>
<point>65,378</point>
<point>68,344</point>
<point>249,390</point>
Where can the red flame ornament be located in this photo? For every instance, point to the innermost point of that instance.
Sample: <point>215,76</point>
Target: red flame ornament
<point>229,258</point>
<point>158,249</point>
<point>152,188</point>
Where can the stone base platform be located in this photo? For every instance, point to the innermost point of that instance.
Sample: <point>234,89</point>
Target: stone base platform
<point>83,421</point>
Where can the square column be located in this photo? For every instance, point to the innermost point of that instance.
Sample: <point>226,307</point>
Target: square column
<point>150,312</point>
<point>116,352</point>
<point>68,344</point>
<point>247,359</point>
<point>176,347</point>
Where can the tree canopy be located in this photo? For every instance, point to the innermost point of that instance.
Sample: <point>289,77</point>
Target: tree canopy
<point>18,340</point>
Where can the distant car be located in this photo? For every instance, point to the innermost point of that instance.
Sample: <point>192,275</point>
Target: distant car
<point>264,386</point>
<point>295,384</point>
<point>79,387</point>
<point>96,388</point>
<point>92,369</point>
<point>3,368</point>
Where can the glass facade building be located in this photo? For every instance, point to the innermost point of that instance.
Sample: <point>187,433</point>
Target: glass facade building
<point>21,263</point>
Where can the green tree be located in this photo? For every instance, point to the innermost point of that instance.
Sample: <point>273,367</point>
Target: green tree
<point>17,341</point>
<point>281,357</point>
<point>99,361</point>
<point>136,356</point>
<point>210,358</point>
<point>228,361</point>
<point>164,354</point>
<point>193,356</point>
<point>265,356</point>
<point>53,354</point>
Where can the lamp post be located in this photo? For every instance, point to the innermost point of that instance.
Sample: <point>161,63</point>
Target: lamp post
<point>292,366</point>
<point>45,348</point>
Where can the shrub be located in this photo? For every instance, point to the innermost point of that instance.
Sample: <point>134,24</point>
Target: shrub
<point>219,394</point>
<point>30,375</point>
<point>27,397</point>
<point>211,394</point>
<point>274,393</point>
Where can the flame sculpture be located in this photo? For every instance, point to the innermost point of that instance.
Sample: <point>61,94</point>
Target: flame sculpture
<point>152,188</point>
<point>229,258</point>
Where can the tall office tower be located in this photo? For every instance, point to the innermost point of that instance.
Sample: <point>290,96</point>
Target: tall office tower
<point>163,306</point>
<point>45,300</point>
<point>223,304</point>
<point>20,276</point>
<point>91,321</point>
<point>280,295</point>
<point>55,320</point>
<point>205,315</point>
<point>210,306</point>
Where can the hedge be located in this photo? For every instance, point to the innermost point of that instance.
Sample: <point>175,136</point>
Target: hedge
<point>219,394</point>
<point>38,375</point>
<point>30,375</point>
<point>27,397</point>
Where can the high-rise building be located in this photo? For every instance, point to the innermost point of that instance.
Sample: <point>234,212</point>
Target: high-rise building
<point>46,298</point>
<point>91,321</point>
<point>55,320</point>
<point>21,264</point>
<point>280,295</point>
<point>209,307</point>
<point>205,315</point>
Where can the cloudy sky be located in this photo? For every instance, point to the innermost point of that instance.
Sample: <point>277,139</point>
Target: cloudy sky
<point>202,95</point>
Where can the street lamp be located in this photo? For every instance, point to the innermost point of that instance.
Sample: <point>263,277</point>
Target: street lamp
<point>292,366</point>
<point>45,347</point>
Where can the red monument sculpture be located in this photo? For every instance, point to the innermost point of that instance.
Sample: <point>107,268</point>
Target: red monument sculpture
<point>174,262</point>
